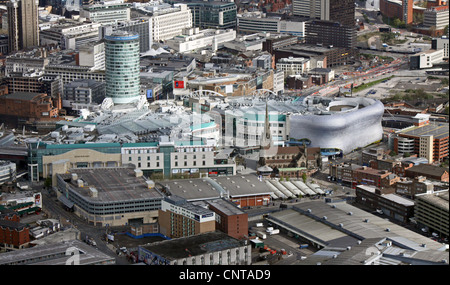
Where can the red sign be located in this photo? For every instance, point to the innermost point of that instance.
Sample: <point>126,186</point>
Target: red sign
<point>178,84</point>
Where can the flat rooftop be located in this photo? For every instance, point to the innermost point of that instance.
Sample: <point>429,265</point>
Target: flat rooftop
<point>226,207</point>
<point>354,227</point>
<point>439,199</point>
<point>193,245</point>
<point>55,254</point>
<point>438,131</point>
<point>112,184</point>
<point>217,187</point>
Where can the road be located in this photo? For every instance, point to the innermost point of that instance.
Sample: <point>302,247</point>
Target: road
<point>52,206</point>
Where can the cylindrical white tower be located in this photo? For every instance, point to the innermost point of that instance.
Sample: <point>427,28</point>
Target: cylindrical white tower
<point>122,67</point>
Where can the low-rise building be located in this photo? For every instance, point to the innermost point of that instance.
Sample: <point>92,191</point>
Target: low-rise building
<point>411,187</point>
<point>374,177</point>
<point>212,248</point>
<point>13,235</point>
<point>83,91</point>
<point>71,252</point>
<point>194,39</point>
<point>429,171</point>
<point>426,59</point>
<point>441,43</point>
<point>392,205</point>
<point>28,108</point>
<point>293,66</point>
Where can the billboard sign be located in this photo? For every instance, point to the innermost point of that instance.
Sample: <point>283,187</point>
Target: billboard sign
<point>178,84</point>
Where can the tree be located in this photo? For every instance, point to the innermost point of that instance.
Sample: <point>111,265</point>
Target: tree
<point>48,182</point>
<point>304,177</point>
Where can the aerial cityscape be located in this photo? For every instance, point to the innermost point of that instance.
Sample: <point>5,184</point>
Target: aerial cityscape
<point>232,132</point>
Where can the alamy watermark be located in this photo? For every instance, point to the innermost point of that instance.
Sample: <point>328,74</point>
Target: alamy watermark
<point>74,254</point>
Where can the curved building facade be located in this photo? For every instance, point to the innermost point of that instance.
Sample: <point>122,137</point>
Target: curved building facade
<point>122,65</point>
<point>344,124</point>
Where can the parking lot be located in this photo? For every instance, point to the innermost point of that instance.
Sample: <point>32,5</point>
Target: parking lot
<point>279,248</point>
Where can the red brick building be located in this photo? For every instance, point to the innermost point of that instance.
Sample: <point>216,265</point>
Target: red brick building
<point>429,171</point>
<point>229,218</point>
<point>369,176</point>
<point>394,9</point>
<point>30,107</point>
<point>13,235</point>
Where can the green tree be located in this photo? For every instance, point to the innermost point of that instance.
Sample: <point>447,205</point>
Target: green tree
<point>48,182</point>
<point>304,177</point>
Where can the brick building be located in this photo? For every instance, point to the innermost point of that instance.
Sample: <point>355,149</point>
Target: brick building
<point>29,107</point>
<point>374,177</point>
<point>429,171</point>
<point>292,156</point>
<point>13,234</point>
<point>411,187</point>
<point>429,141</point>
<point>402,9</point>
<point>392,205</point>
<point>179,218</point>
<point>229,218</point>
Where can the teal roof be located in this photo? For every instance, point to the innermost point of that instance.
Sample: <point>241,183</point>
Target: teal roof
<point>86,145</point>
<point>203,126</point>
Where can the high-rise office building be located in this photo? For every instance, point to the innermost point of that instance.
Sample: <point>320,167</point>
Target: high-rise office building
<point>122,67</point>
<point>23,24</point>
<point>331,23</point>
<point>342,11</point>
<point>213,14</point>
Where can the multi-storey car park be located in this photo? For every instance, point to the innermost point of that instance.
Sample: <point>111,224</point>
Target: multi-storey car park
<point>109,196</point>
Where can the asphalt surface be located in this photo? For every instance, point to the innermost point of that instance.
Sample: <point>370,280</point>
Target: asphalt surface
<point>68,219</point>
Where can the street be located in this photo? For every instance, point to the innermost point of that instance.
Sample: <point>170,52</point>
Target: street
<point>52,207</point>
